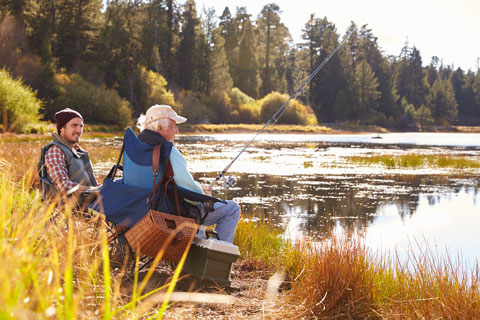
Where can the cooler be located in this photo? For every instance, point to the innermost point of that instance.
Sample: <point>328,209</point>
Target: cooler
<point>211,259</point>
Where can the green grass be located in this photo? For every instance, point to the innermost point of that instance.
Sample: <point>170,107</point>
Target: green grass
<point>417,161</point>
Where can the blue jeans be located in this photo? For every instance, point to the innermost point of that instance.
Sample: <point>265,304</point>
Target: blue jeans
<point>225,216</point>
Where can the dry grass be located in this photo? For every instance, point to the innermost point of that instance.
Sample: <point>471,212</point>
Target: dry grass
<point>58,267</point>
<point>239,128</point>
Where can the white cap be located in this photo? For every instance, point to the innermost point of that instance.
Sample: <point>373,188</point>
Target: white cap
<point>157,112</point>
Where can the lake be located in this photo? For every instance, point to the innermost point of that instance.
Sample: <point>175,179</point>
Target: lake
<point>307,185</point>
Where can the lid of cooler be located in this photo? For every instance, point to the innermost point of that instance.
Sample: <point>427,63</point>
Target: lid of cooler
<point>217,245</point>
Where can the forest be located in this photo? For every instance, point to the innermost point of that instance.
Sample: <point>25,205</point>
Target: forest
<point>112,60</point>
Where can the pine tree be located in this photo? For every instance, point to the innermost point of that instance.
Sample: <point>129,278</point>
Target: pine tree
<point>366,94</point>
<point>247,70</point>
<point>272,41</point>
<point>79,23</point>
<point>369,50</point>
<point>191,52</point>
<point>410,77</point>
<point>120,46</point>
<point>219,73</point>
<point>442,102</point>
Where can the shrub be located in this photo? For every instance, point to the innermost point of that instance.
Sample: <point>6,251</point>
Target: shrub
<point>19,106</point>
<point>238,98</point>
<point>296,113</point>
<point>220,105</point>
<point>192,107</point>
<point>154,90</point>
<point>243,108</point>
<point>96,104</point>
<point>247,113</point>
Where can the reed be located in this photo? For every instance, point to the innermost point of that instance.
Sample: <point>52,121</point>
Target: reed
<point>56,261</point>
<point>416,161</point>
<point>338,278</point>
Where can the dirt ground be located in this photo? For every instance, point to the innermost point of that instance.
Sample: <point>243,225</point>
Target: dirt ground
<point>250,295</point>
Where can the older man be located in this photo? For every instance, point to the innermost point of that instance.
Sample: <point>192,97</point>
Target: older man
<point>68,166</point>
<point>159,125</point>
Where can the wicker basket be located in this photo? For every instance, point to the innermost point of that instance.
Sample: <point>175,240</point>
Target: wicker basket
<point>158,231</point>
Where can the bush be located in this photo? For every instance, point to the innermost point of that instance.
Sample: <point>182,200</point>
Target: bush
<point>247,113</point>
<point>19,106</point>
<point>238,98</point>
<point>154,90</point>
<point>96,104</point>
<point>296,113</point>
<point>192,107</point>
<point>219,104</point>
<point>243,108</point>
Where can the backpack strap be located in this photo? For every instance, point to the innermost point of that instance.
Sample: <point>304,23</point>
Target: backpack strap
<point>167,177</point>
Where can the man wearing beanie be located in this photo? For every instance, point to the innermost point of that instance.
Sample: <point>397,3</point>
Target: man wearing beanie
<point>68,166</point>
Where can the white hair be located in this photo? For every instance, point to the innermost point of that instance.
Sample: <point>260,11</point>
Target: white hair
<point>164,123</point>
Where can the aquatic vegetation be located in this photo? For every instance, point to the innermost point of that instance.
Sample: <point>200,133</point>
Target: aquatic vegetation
<point>418,160</point>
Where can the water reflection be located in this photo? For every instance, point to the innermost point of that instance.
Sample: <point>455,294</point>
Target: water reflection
<point>306,185</point>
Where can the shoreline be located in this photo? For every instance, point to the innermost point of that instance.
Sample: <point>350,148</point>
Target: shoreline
<point>190,129</point>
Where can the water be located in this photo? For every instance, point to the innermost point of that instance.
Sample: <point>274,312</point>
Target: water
<point>307,185</point>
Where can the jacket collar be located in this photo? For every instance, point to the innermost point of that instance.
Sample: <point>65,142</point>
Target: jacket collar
<point>152,138</point>
<point>74,147</point>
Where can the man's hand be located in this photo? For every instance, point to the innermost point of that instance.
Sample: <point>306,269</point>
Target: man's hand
<point>207,190</point>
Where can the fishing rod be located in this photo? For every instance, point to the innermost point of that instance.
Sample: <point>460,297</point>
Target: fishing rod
<point>230,181</point>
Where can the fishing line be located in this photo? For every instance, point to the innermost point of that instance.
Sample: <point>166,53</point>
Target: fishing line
<point>284,107</point>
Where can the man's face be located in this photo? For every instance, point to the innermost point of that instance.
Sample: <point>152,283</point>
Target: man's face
<point>73,130</point>
<point>169,133</point>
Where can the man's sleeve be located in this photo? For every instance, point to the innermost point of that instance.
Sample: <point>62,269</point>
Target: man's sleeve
<point>182,177</point>
<point>57,169</point>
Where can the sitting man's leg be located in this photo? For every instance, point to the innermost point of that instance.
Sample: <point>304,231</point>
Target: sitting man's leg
<point>225,216</point>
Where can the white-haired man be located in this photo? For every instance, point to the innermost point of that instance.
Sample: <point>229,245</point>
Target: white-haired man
<point>159,124</point>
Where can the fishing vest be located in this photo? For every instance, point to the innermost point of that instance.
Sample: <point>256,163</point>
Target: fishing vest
<point>79,167</point>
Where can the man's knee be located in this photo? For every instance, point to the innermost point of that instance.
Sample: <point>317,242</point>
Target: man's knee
<point>234,209</point>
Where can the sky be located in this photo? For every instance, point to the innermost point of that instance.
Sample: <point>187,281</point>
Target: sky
<point>448,29</point>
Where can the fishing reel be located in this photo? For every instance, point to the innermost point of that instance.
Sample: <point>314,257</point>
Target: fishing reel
<point>230,182</point>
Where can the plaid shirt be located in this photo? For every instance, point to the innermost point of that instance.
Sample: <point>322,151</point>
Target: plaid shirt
<point>57,168</point>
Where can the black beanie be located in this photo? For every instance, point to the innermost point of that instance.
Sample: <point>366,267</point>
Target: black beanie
<point>63,116</point>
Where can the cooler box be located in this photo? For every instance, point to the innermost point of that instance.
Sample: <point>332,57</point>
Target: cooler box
<point>211,259</point>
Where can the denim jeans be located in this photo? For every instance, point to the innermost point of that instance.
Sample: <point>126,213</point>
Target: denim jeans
<point>225,216</point>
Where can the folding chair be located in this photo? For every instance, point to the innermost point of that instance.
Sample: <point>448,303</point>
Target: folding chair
<point>124,201</point>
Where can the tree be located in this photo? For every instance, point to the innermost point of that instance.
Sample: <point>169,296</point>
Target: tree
<point>118,51</point>
<point>232,39</point>
<point>77,32</point>
<point>190,54</point>
<point>423,116</point>
<point>322,40</point>
<point>369,50</point>
<point>410,77</point>
<point>272,35</point>
<point>247,70</point>
<point>442,102</point>
<point>366,94</point>
<point>219,72</point>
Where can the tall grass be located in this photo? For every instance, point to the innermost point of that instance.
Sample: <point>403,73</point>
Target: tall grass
<point>338,278</point>
<point>55,262</point>
<point>416,161</point>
